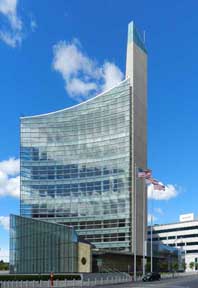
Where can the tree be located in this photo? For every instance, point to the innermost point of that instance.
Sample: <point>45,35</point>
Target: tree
<point>196,266</point>
<point>163,266</point>
<point>184,265</point>
<point>3,265</point>
<point>192,265</point>
<point>175,266</point>
<point>148,266</point>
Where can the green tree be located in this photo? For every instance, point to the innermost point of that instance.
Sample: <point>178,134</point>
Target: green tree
<point>184,265</point>
<point>3,265</point>
<point>148,266</point>
<point>175,266</point>
<point>192,265</point>
<point>163,266</point>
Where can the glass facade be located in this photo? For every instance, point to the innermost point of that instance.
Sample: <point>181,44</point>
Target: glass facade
<point>165,256</point>
<point>42,247</point>
<point>76,167</point>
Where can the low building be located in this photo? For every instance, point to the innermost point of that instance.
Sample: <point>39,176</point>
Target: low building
<point>41,247</point>
<point>165,257</point>
<point>182,234</point>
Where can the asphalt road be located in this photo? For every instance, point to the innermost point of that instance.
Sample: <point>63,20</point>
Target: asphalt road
<point>181,282</point>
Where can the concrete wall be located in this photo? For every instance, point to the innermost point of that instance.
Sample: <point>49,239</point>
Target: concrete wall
<point>136,70</point>
<point>84,258</point>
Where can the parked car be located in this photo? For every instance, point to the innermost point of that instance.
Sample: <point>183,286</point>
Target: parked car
<point>151,276</point>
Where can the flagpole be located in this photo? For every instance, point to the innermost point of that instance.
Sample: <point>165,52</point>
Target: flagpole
<point>152,230</point>
<point>134,247</point>
<point>143,233</point>
<point>146,174</point>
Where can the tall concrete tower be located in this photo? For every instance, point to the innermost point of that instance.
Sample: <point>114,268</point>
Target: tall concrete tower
<point>136,71</point>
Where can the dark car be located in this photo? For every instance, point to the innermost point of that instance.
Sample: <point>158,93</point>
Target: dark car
<point>151,276</point>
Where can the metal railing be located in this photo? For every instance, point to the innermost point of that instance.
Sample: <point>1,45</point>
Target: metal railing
<point>90,282</point>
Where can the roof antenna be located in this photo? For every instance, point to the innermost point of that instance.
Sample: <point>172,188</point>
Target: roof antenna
<point>144,36</point>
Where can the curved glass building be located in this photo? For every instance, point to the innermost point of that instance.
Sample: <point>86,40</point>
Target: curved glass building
<point>78,164</point>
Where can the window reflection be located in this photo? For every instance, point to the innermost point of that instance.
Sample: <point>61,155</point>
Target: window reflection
<point>75,164</point>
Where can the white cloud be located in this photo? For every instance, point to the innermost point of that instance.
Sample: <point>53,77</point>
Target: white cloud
<point>170,192</point>
<point>10,166</point>
<point>151,218</point>
<point>11,33</point>
<point>13,187</point>
<point>69,60</point>
<point>9,177</point>
<point>5,222</point>
<point>33,25</point>
<point>77,87</point>
<point>159,211</point>
<point>12,27</point>
<point>8,8</point>
<point>82,75</point>
<point>10,39</point>
<point>4,254</point>
<point>111,74</point>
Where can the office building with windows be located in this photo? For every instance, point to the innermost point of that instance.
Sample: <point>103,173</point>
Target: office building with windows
<point>183,235</point>
<point>78,165</point>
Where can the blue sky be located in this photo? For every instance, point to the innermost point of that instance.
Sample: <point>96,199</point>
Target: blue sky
<point>34,79</point>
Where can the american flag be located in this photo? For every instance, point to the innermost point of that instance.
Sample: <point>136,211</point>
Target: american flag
<point>151,180</point>
<point>144,173</point>
<point>159,187</point>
